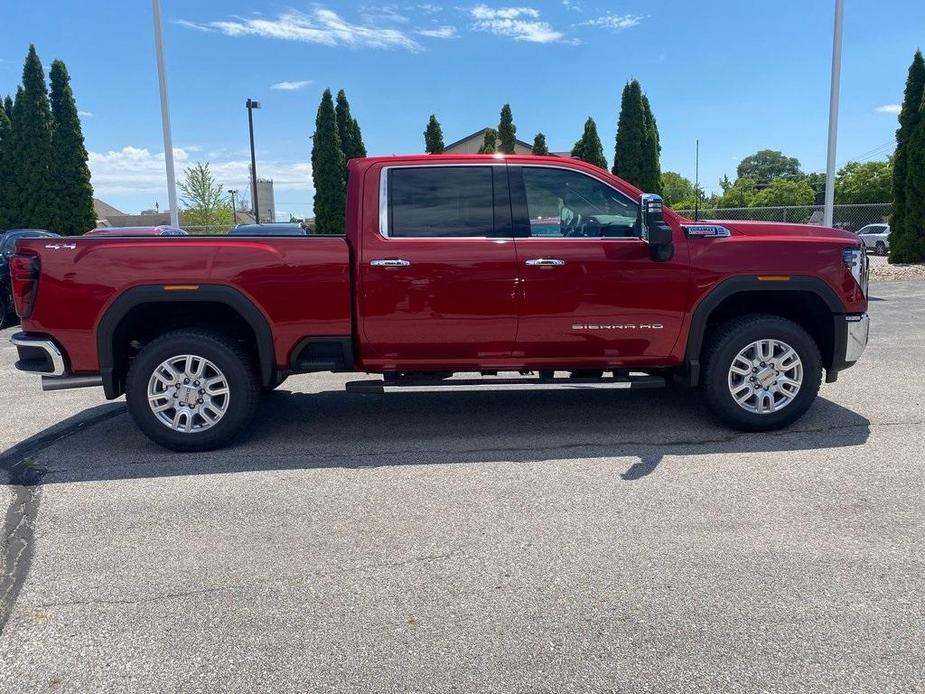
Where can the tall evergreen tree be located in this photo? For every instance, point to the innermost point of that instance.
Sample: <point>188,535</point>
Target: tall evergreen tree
<point>73,196</point>
<point>6,196</point>
<point>589,147</point>
<point>630,150</point>
<point>653,167</point>
<point>490,142</point>
<point>348,129</point>
<point>507,131</point>
<point>329,170</point>
<point>433,136</point>
<point>32,149</point>
<point>902,235</point>
<point>539,145</point>
<point>913,239</point>
<point>8,106</point>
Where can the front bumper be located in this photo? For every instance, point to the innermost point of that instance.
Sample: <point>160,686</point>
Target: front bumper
<point>851,333</point>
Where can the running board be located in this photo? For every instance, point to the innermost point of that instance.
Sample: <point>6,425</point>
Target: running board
<point>378,387</point>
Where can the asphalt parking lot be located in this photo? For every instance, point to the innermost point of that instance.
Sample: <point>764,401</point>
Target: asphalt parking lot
<point>475,542</point>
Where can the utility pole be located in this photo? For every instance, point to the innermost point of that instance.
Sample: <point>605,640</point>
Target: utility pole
<point>697,180</point>
<point>165,114</point>
<point>234,209</point>
<point>834,88</point>
<point>251,105</point>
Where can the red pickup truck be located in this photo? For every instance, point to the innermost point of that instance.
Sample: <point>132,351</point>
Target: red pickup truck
<point>455,273</point>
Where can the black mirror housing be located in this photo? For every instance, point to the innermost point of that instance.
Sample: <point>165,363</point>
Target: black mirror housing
<point>654,230</point>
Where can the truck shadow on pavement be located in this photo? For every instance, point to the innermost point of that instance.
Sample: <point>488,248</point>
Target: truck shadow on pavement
<point>297,430</point>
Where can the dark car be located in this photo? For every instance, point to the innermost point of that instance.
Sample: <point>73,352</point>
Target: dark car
<point>162,230</point>
<point>293,229</point>
<point>7,248</point>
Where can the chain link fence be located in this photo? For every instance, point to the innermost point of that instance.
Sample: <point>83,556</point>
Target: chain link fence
<point>849,217</point>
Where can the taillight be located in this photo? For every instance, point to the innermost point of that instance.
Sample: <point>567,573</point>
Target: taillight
<point>24,278</point>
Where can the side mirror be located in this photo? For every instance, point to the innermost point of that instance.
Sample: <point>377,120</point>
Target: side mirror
<point>653,229</point>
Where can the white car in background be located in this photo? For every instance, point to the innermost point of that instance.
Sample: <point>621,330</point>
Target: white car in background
<point>876,237</point>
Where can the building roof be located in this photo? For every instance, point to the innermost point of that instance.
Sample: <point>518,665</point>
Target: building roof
<point>104,210</point>
<point>481,133</point>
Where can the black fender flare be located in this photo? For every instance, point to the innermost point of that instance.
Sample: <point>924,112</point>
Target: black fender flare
<point>148,294</point>
<point>746,283</point>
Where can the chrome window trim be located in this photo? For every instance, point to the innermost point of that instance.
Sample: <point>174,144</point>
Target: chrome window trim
<point>384,202</point>
<point>599,180</point>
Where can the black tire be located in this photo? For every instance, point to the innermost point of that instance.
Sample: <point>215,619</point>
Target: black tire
<point>277,382</point>
<point>728,340</point>
<point>880,248</point>
<point>230,358</point>
<point>4,312</point>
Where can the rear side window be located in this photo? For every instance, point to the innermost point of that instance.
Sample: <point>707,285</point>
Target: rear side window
<point>440,201</point>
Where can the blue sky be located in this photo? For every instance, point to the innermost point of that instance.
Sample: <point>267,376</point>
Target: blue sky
<point>739,75</point>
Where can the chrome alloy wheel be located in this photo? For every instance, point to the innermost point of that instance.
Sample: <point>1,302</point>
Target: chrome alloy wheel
<point>188,393</point>
<point>765,376</point>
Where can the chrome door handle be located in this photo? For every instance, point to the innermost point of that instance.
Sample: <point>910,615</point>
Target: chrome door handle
<point>545,262</point>
<point>390,262</point>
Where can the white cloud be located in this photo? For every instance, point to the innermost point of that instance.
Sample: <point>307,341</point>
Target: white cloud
<point>85,114</point>
<point>138,170</point>
<point>572,5</point>
<point>291,86</point>
<point>429,8</point>
<point>440,32</point>
<point>320,25</point>
<point>889,108</point>
<point>518,23</point>
<point>614,21</point>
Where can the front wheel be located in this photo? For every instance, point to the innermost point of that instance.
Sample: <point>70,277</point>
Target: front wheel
<point>880,248</point>
<point>762,372</point>
<point>192,390</point>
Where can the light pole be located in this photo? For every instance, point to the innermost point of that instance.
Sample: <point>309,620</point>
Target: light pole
<point>234,212</point>
<point>165,114</point>
<point>828,210</point>
<point>251,105</point>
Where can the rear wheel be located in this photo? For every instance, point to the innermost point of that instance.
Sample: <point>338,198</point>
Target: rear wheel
<point>192,390</point>
<point>880,248</point>
<point>762,372</point>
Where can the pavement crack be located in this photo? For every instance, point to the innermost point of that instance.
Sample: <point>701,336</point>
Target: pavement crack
<point>137,601</point>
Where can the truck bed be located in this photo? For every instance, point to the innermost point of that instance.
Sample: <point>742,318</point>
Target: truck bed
<point>300,284</point>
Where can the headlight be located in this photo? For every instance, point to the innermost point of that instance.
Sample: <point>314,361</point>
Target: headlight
<point>855,259</point>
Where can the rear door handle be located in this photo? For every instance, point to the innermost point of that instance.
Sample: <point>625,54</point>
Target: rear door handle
<point>545,262</point>
<point>390,262</point>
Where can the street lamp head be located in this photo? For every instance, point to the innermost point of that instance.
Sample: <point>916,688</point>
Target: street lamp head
<point>252,104</point>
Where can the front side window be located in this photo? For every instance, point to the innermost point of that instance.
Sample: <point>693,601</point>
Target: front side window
<point>440,201</point>
<point>569,204</point>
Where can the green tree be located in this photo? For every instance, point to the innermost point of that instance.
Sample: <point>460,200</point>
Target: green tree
<point>329,170</point>
<point>630,150</point>
<point>202,197</point>
<point>653,151</point>
<point>539,145</point>
<point>6,197</point>
<point>858,183</point>
<point>589,148</point>
<point>8,105</point>
<point>816,180</point>
<point>913,248</point>
<point>348,129</point>
<point>73,198</point>
<point>433,136</point>
<point>507,131</point>
<point>782,192</point>
<point>739,194</point>
<point>902,235</point>
<point>676,188</point>
<point>490,142</point>
<point>767,165</point>
<point>31,151</point>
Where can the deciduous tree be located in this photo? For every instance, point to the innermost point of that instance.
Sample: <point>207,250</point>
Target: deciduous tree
<point>858,183</point>
<point>203,200</point>
<point>329,170</point>
<point>767,165</point>
<point>676,188</point>
<point>73,196</point>
<point>433,136</point>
